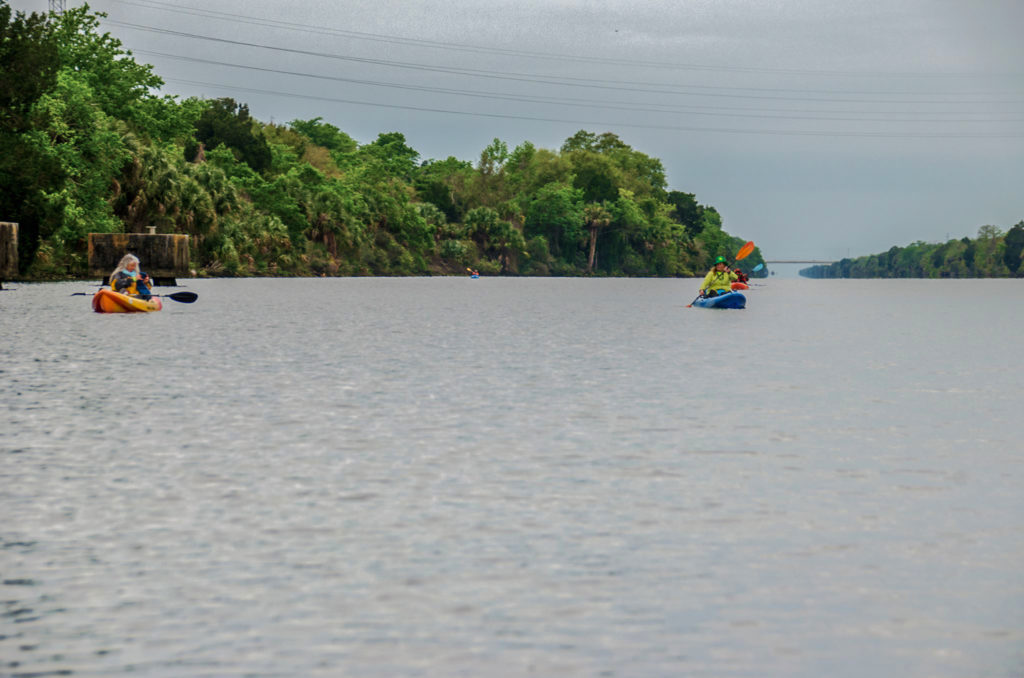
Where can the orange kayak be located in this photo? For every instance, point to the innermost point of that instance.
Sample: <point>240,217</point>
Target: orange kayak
<point>109,301</point>
<point>740,286</point>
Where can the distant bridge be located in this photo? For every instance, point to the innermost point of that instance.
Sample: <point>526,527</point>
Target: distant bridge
<point>799,261</point>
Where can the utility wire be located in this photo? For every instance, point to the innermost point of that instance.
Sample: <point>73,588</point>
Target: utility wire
<point>682,128</point>
<point>524,77</point>
<point>588,103</point>
<point>560,58</point>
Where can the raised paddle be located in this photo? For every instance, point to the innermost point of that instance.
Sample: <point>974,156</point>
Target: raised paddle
<point>758,268</point>
<point>742,254</point>
<point>745,251</point>
<point>183,297</point>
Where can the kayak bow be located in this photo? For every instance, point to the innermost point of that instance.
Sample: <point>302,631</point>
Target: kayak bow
<point>727,300</point>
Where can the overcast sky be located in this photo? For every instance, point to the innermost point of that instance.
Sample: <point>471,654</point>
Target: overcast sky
<point>818,128</point>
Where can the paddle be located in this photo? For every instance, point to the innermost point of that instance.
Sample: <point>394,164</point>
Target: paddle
<point>183,297</point>
<point>758,268</point>
<point>742,254</point>
<point>745,251</point>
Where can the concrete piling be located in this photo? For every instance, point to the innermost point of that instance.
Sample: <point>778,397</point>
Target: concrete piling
<point>8,251</point>
<point>163,256</point>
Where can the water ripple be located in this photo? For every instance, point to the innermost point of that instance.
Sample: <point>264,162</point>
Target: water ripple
<point>514,477</point>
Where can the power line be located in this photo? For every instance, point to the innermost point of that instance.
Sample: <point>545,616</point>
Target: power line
<point>562,81</point>
<point>589,103</point>
<point>392,39</point>
<point>681,128</point>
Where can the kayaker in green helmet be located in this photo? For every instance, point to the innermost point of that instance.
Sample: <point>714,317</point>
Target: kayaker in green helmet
<point>718,280</point>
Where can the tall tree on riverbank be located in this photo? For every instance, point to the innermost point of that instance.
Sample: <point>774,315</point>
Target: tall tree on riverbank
<point>225,122</point>
<point>1014,248</point>
<point>28,69</point>
<point>595,217</point>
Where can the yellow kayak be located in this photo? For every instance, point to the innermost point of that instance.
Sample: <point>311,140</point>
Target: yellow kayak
<point>109,301</point>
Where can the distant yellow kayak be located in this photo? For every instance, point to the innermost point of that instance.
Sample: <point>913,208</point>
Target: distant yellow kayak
<point>109,301</point>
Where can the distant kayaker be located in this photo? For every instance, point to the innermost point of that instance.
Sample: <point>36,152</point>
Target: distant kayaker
<point>740,275</point>
<point>128,279</point>
<point>718,280</point>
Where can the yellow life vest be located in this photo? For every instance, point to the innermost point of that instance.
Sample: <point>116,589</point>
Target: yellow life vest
<point>718,280</point>
<point>132,290</point>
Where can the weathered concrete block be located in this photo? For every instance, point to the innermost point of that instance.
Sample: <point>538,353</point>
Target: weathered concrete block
<point>8,250</point>
<point>163,257</point>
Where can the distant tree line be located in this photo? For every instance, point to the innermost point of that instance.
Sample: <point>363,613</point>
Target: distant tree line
<point>993,254</point>
<point>87,146</point>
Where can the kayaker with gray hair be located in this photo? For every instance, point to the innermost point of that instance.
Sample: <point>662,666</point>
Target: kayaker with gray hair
<point>718,280</point>
<point>128,279</point>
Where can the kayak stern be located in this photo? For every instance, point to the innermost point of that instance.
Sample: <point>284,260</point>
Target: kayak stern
<point>109,301</point>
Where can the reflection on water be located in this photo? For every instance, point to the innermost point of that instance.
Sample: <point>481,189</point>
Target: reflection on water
<point>502,477</point>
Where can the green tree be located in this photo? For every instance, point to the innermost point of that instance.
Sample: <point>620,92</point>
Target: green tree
<point>28,69</point>
<point>488,184</point>
<point>967,256</point>
<point>28,53</point>
<point>495,237</point>
<point>595,218</point>
<point>324,134</point>
<point>227,123</point>
<point>1014,246</point>
<point>122,88</point>
<point>480,223</point>
<point>518,166</point>
<point>633,170</point>
<point>528,169</point>
<point>988,258</point>
<point>595,143</point>
<point>394,155</point>
<point>148,190</point>
<point>687,211</point>
<point>492,158</point>
<point>507,242</point>
<point>596,176</point>
<point>70,131</point>
<point>443,183</point>
<point>556,213</point>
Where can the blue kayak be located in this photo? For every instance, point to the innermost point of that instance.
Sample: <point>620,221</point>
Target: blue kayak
<point>727,300</point>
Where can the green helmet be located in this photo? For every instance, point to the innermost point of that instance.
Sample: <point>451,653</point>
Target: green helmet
<point>720,260</point>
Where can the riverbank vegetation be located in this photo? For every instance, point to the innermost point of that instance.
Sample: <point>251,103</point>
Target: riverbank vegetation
<point>993,254</point>
<point>88,145</point>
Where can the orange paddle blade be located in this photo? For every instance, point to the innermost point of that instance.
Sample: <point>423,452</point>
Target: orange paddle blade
<point>745,250</point>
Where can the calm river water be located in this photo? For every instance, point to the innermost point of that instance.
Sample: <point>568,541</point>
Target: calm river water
<point>511,477</point>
